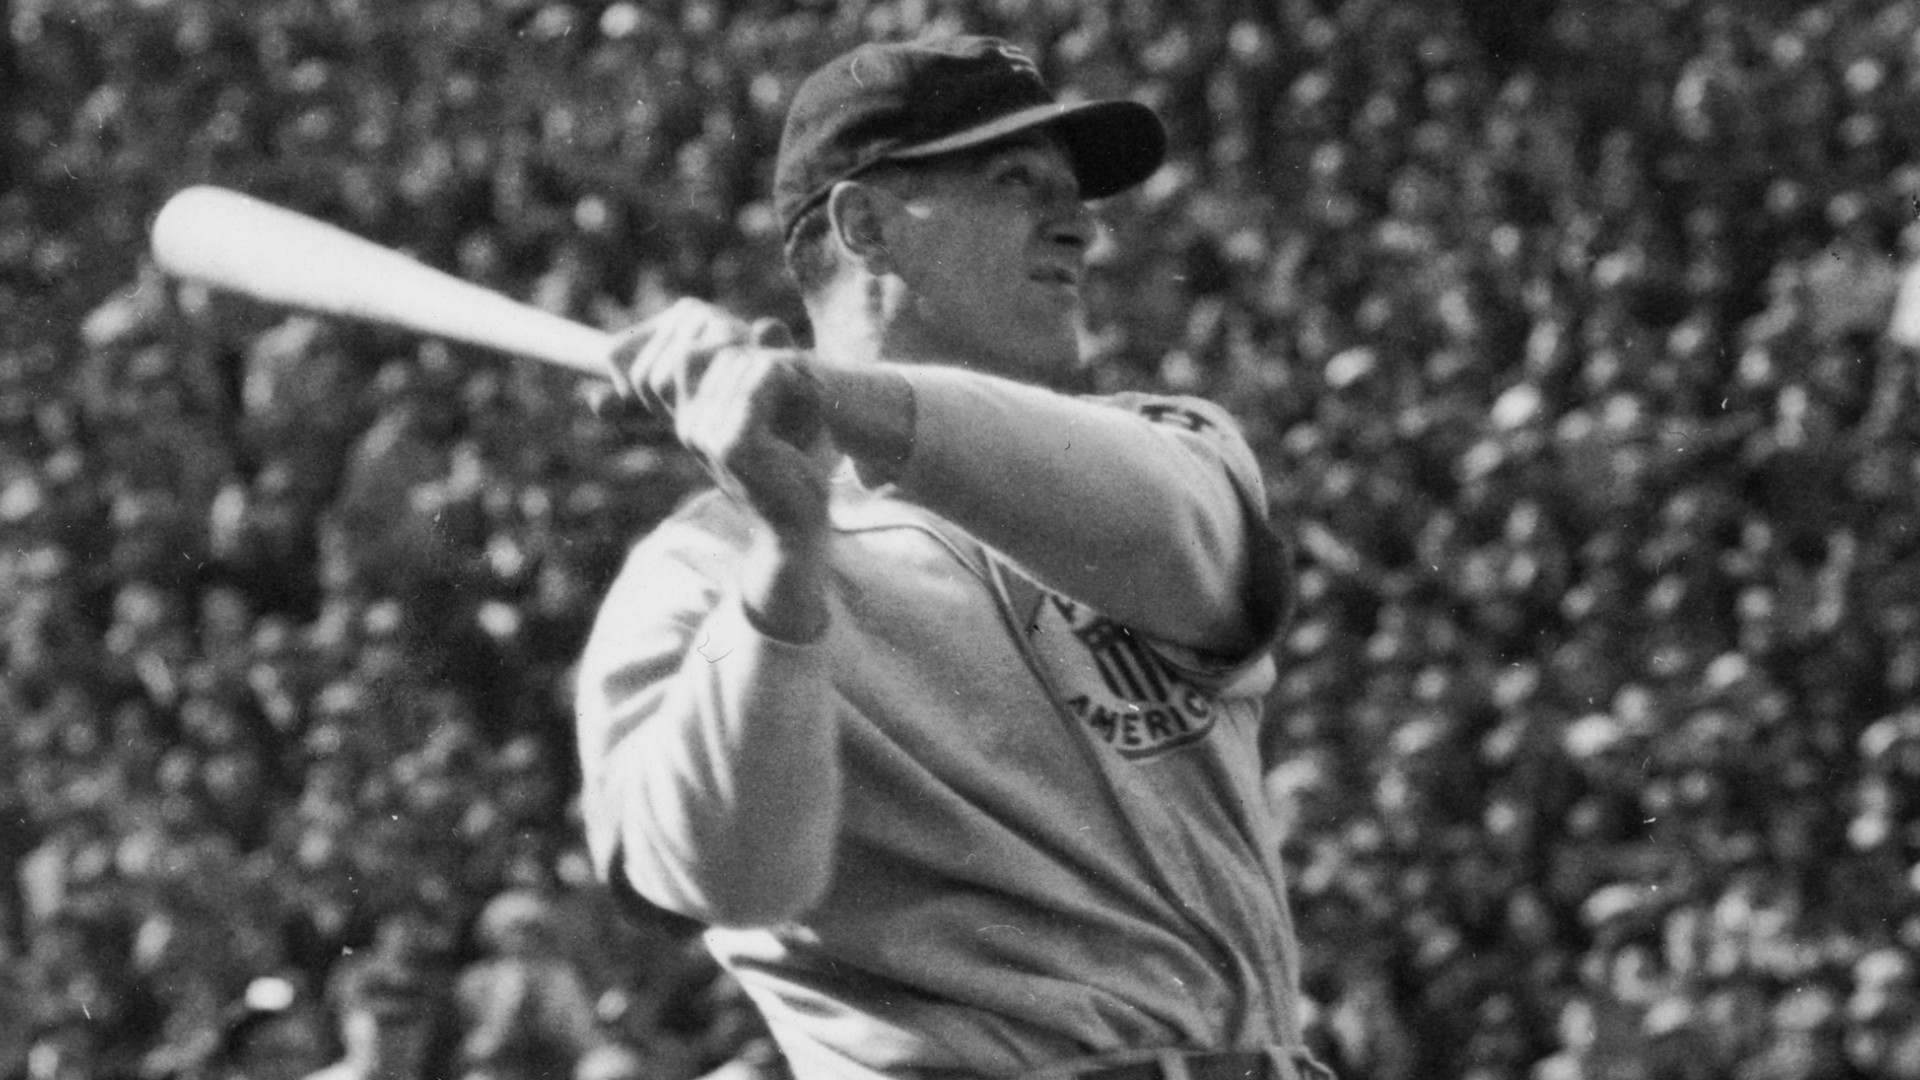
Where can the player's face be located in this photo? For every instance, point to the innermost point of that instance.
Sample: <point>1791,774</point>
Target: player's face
<point>992,246</point>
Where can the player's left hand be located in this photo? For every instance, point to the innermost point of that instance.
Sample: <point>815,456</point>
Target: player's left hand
<point>742,398</point>
<point>655,366</point>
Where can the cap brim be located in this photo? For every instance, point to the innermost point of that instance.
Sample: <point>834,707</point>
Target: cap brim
<point>1113,144</point>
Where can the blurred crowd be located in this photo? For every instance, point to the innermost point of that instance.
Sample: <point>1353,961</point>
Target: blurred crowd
<point>1559,327</point>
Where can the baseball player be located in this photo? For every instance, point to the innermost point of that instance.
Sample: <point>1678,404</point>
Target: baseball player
<point>942,710</point>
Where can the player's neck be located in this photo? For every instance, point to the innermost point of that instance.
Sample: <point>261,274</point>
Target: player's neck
<point>865,320</point>
<point>851,323</point>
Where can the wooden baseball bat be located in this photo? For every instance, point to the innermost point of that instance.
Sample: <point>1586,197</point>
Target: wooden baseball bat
<point>232,241</point>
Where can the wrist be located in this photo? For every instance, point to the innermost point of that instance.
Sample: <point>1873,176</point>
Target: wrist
<point>784,585</point>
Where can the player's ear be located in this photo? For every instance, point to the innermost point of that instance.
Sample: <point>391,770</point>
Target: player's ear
<point>856,213</point>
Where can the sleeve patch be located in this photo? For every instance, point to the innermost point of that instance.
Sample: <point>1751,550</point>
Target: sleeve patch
<point>1166,412</point>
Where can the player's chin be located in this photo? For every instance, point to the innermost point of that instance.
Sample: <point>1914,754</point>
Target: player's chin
<point>1049,359</point>
<point>1049,320</point>
<point>1038,342</point>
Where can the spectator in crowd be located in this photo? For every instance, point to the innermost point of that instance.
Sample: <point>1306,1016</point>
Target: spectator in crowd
<point>525,1011</point>
<point>1806,1042</point>
<point>1883,1015</point>
<point>614,1061</point>
<point>16,1019</point>
<point>272,1033</point>
<point>386,1012</point>
<point>69,1048</point>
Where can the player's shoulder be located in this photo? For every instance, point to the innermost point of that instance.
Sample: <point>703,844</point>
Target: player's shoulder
<point>1194,422</point>
<point>705,529</point>
<point>708,515</point>
<point>1179,411</point>
<point>1202,427</point>
<point>678,568</point>
<point>713,511</point>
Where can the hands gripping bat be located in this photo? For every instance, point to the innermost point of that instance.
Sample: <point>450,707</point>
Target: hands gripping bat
<point>232,241</point>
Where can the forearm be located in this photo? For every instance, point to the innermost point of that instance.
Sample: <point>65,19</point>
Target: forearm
<point>784,586</point>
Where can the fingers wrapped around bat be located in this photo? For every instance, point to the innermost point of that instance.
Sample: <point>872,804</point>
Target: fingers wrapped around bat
<point>755,419</point>
<point>661,370</point>
<point>675,349</point>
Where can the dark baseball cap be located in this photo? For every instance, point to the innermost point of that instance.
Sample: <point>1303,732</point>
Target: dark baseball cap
<point>906,101</point>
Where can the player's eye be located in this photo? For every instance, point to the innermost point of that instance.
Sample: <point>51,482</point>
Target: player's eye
<point>1016,175</point>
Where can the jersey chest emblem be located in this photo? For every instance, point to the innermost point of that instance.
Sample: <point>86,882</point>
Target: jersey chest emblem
<point>1112,683</point>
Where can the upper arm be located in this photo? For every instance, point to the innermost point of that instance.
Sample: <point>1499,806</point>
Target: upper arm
<point>1149,508</point>
<point>708,755</point>
<point>646,624</point>
<point>1249,565</point>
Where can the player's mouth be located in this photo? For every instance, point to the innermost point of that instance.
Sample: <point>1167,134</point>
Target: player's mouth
<point>1058,276</point>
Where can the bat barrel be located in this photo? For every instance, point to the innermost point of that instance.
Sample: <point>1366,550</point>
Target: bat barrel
<point>231,241</point>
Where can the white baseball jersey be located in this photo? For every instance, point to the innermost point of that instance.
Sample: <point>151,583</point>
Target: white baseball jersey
<point>980,825</point>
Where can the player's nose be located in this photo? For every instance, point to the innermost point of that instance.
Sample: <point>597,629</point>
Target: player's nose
<point>1071,225</point>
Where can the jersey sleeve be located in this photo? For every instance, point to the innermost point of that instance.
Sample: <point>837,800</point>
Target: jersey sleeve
<point>709,757</point>
<point>1150,508</point>
<point>1269,567</point>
